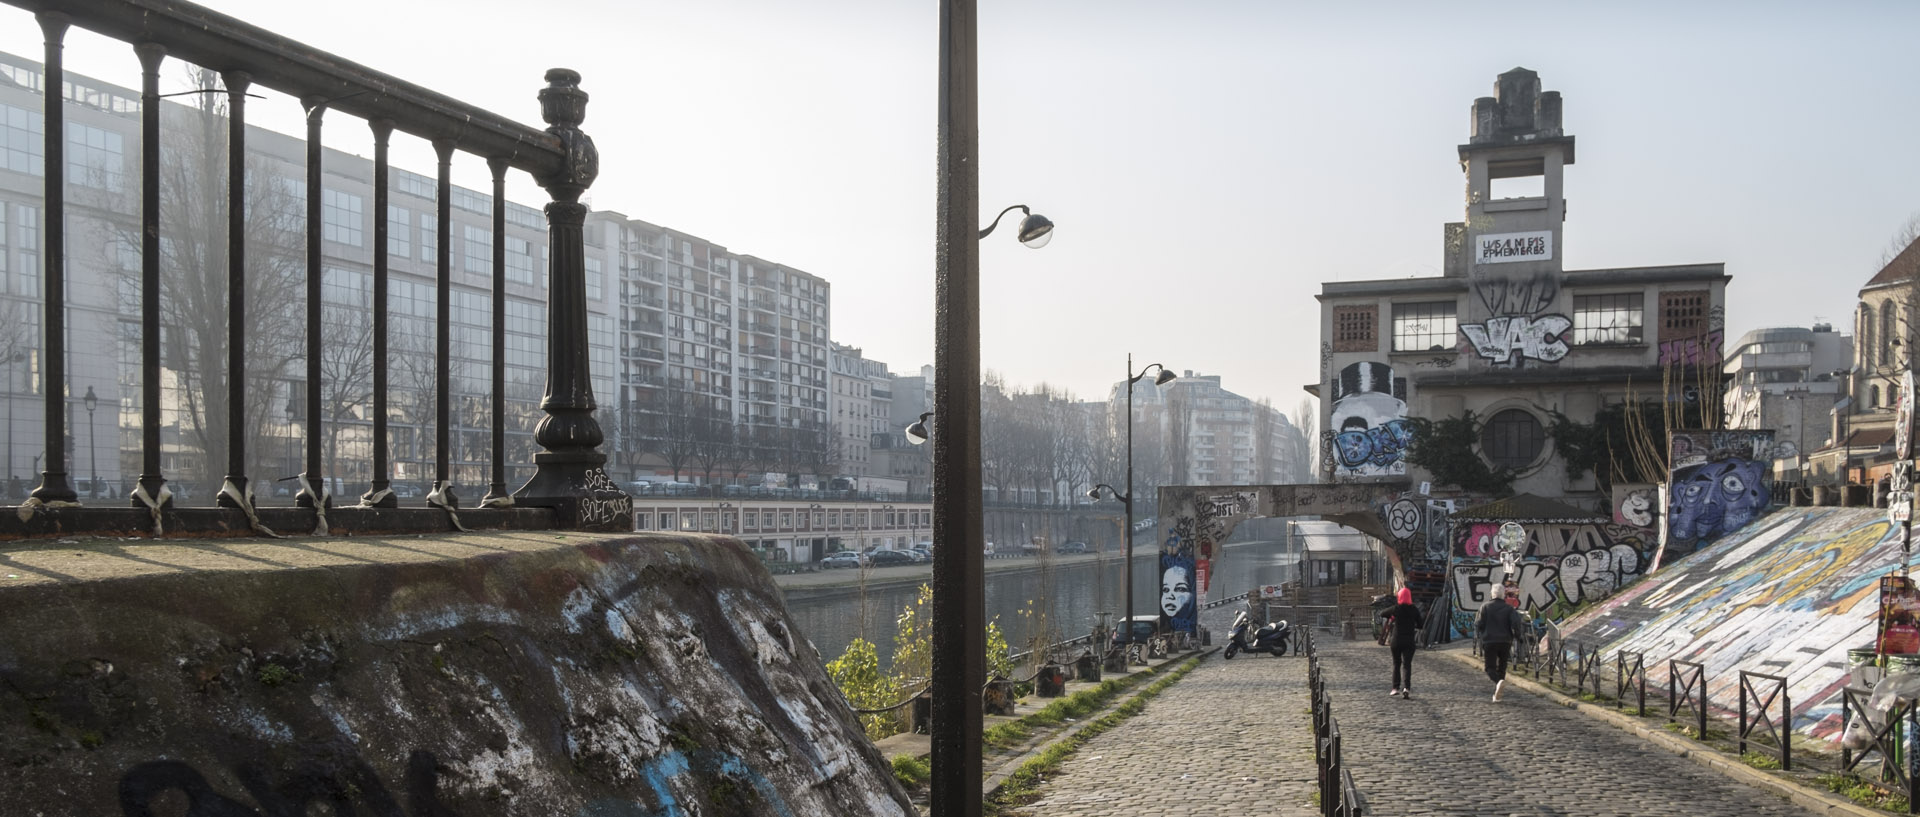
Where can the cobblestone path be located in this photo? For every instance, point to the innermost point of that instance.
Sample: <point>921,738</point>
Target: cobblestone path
<point>1231,738</point>
<point>1450,750</point>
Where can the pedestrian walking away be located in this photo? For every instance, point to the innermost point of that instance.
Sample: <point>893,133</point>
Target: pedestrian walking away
<point>1496,626</point>
<point>1403,627</point>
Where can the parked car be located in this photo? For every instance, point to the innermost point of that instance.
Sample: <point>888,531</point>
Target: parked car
<point>888,558</point>
<point>844,558</point>
<point>1142,628</point>
<point>989,548</point>
<point>925,554</point>
<point>1071,547</point>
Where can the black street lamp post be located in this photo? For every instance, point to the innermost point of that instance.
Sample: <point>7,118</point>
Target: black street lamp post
<point>959,568</point>
<point>1126,536</point>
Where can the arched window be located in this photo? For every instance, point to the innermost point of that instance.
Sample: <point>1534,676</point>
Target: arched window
<point>1873,397</point>
<point>1888,337</point>
<point>1864,350</point>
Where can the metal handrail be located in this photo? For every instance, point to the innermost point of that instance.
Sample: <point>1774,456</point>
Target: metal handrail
<point>1886,742</point>
<point>1762,720</point>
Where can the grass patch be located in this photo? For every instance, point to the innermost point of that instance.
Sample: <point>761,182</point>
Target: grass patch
<point>1073,707</point>
<point>911,771</point>
<point>1861,792</point>
<point>1022,787</point>
<point>1760,761</point>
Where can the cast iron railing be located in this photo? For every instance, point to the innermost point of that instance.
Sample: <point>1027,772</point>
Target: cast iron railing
<point>568,480</point>
<point>1338,795</point>
<point>1629,672</point>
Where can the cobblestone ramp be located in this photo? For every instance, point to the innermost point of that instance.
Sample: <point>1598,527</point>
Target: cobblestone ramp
<point>1450,750</point>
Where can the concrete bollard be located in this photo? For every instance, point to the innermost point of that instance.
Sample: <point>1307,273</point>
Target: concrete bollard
<point>997,699</point>
<point>1349,632</point>
<point>1087,668</point>
<point>1051,682</point>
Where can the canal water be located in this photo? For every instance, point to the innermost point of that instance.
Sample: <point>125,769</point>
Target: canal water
<point>1075,590</point>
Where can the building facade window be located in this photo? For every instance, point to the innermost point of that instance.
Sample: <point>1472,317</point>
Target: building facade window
<point>479,248</point>
<point>1512,438</point>
<point>22,141</point>
<point>1888,334</point>
<point>1356,328</point>
<point>341,214</point>
<point>95,157</point>
<point>1424,327</point>
<point>399,232</point>
<point>1604,319</point>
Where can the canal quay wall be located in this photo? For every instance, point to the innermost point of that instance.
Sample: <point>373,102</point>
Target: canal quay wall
<point>481,674</point>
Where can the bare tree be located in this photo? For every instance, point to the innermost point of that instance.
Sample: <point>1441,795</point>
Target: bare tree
<point>194,306</point>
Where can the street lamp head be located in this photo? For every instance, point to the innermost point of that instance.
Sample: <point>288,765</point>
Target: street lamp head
<point>1035,230</point>
<point>917,433</point>
<point>1165,377</point>
<point>91,400</point>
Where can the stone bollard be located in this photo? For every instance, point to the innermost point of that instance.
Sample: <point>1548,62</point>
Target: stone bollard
<point>1117,661</point>
<point>1051,682</point>
<point>1349,632</point>
<point>1087,668</point>
<point>997,699</point>
<point>923,715</point>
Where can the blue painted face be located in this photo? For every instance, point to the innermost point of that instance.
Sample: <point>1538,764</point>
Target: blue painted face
<point>1717,497</point>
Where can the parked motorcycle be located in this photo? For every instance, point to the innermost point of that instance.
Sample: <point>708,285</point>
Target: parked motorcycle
<point>1271,638</point>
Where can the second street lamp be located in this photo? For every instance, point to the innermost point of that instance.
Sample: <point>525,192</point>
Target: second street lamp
<point>1126,536</point>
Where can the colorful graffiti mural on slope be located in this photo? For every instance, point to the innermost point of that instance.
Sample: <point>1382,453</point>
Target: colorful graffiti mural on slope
<point>1721,480</point>
<point>1786,596</point>
<point>1561,563</point>
<point>1367,432</point>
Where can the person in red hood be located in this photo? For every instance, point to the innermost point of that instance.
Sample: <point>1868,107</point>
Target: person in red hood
<point>1403,627</point>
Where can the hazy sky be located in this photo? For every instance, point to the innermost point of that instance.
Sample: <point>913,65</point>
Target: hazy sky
<point>1208,164</point>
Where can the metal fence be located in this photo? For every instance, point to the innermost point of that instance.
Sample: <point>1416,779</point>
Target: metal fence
<point>569,487</point>
<point>1338,795</point>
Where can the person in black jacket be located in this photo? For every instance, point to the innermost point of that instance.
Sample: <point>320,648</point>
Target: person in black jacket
<point>1499,621</point>
<point>1403,626</point>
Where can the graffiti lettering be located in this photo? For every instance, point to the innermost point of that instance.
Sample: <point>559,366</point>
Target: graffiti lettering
<point>1692,351</point>
<point>1475,584</point>
<point>1511,338</point>
<point>1377,447</point>
<point>1597,573</point>
<point>1516,294</point>
<point>1507,247</point>
<point>1635,507</point>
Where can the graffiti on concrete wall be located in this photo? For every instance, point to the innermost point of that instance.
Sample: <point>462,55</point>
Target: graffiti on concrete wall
<point>1367,432</point>
<point>1561,563</point>
<point>1695,351</point>
<point>1721,480</point>
<point>1518,327</point>
<point>1787,596</point>
<point>1186,555</point>
<point>1511,339</point>
<point>1635,504</point>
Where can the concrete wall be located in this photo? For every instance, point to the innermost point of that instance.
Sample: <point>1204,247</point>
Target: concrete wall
<point>1787,595</point>
<point>513,674</point>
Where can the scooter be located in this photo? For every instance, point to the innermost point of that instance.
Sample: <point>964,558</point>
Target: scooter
<point>1271,638</point>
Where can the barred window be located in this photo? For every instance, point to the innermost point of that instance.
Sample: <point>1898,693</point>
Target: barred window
<point>1600,319</point>
<point>1356,328</point>
<point>1424,327</point>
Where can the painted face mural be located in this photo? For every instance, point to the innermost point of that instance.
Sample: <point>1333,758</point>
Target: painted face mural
<point>1717,497</point>
<point>1176,592</point>
<point>1368,426</point>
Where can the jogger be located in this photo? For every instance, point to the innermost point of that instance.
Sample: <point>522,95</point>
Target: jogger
<point>1404,621</point>
<point>1496,626</point>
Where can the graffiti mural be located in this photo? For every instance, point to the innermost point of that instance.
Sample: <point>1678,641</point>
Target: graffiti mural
<point>1511,339</point>
<point>1186,552</point>
<point>1704,349</point>
<point>1569,563</point>
<point>1367,432</point>
<point>1721,480</point>
<point>1635,504</point>
<point>1787,595</point>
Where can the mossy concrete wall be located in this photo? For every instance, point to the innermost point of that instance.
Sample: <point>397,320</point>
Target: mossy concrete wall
<point>549,674</point>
